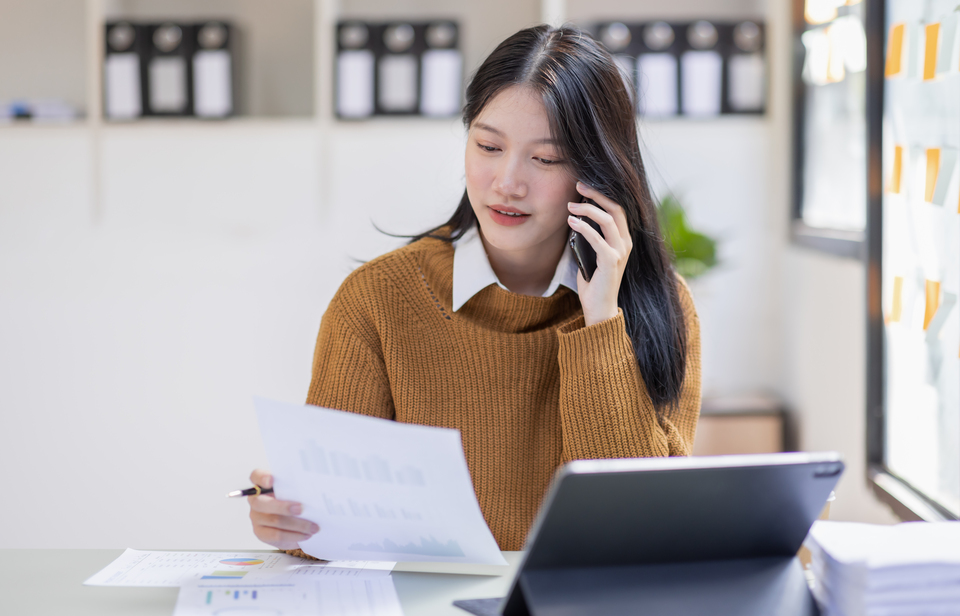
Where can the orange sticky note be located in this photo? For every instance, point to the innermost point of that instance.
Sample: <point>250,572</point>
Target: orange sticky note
<point>933,302</point>
<point>895,50</point>
<point>897,169</point>
<point>897,309</point>
<point>930,53</point>
<point>933,170</point>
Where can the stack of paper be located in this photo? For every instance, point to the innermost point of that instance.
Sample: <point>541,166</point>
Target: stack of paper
<point>905,569</point>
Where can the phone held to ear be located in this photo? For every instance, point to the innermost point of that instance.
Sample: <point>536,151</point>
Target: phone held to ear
<point>585,254</point>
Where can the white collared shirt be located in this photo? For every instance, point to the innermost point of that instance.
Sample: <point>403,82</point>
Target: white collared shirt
<point>472,271</point>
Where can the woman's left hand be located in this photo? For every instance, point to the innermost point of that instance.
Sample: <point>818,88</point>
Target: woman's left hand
<point>599,296</point>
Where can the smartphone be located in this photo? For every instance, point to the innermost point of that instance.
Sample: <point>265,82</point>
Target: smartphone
<point>582,250</point>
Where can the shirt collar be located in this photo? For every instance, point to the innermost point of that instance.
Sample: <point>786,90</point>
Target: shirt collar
<point>472,271</point>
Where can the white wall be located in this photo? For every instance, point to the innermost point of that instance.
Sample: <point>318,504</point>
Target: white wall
<point>824,325</point>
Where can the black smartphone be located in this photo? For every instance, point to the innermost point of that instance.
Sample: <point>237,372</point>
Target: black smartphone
<point>582,250</point>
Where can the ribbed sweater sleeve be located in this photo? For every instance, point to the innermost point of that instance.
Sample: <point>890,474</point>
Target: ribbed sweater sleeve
<point>349,373</point>
<point>605,410</point>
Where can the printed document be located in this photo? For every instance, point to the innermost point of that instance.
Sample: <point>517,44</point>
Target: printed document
<point>378,489</point>
<point>331,597</point>
<point>143,568</point>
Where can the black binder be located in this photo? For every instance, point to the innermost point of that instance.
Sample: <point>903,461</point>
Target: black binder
<point>124,89</point>
<point>168,69</point>
<point>686,536</point>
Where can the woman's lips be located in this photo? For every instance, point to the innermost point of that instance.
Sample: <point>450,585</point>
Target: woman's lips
<point>512,219</point>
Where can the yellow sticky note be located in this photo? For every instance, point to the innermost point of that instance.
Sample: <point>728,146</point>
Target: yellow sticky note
<point>933,170</point>
<point>895,50</point>
<point>933,302</point>
<point>897,169</point>
<point>930,52</point>
<point>897,309</point>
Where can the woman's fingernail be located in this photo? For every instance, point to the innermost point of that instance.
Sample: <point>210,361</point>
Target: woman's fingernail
<point>296,509</point>
<point>572,205</point>
<point>573,220</point>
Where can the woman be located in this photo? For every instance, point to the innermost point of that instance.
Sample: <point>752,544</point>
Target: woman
<point>484,325</point>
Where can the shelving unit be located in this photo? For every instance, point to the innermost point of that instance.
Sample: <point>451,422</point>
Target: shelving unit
<point>287,46</point>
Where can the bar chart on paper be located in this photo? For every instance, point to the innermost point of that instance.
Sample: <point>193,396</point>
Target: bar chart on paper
<point>378,489</point>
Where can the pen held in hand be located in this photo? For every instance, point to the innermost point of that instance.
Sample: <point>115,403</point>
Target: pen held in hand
<point>254,491</point>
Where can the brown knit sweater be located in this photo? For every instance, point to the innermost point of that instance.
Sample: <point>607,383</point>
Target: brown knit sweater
<point>526,383</point>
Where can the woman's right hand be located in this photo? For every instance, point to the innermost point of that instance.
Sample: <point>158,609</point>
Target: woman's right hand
<point>275,521</point>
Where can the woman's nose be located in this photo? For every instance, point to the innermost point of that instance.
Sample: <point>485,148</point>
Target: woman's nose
<point>509,181</point>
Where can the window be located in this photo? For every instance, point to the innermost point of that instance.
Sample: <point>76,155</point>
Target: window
<point>830,80</point>
<point>914,396</point>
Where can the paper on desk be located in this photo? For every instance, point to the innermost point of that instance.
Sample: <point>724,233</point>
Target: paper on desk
<point>876,546</point>
<point>378,489</point>
<point>144,568</point>
<point>330,597</point>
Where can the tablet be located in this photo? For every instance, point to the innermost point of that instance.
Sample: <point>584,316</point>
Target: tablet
<point>697,517</point>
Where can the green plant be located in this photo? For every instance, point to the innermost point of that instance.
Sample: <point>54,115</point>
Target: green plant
<point>693,253</point>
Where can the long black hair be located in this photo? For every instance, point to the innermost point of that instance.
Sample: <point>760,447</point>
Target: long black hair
<point>592,118</point>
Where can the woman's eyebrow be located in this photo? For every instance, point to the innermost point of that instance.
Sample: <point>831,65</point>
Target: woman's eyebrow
<point>499,133</point>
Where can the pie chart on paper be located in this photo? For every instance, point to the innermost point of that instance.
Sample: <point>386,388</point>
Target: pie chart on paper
<point>241,561</point>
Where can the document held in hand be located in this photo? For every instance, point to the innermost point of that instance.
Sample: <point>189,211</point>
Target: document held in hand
<point>378,489</point>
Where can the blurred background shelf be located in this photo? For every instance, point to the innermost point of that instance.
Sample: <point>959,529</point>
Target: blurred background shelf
<point>275,51</point>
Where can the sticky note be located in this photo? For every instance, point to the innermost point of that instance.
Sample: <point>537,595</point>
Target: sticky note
<point>932,303</point>
<point>895,51</point>
<point>940,319</point>
<point>914,50</point>
<point>930,52</point>
<point>949,49</point>
<point>933,170</point>
<point>897,175</point>
<point>896,311</point>
<point>945,175</point>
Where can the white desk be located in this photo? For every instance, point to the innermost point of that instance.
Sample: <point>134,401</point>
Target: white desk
<point>34,582</point>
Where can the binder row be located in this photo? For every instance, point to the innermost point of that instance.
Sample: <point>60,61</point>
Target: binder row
<point>169,69</point>
<point>398,69</point>
<point>697,69</point>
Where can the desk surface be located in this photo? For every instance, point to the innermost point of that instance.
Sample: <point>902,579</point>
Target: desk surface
<point>50,582</point>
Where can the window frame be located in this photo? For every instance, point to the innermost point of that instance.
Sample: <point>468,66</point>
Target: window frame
<point>906,501</point>
<point>838,242</point>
